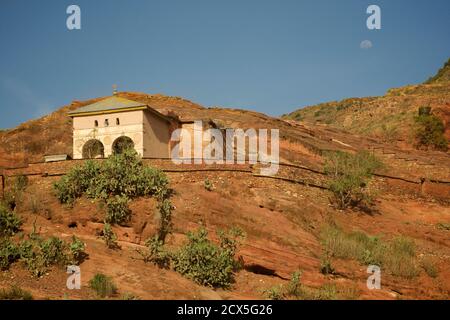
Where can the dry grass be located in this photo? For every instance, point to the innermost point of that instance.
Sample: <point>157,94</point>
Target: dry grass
<point>397,256</point>
<point>295,290</point>
<point>428,263</point>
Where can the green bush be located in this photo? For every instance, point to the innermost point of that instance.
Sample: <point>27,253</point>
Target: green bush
<point>430,130</point>
<point>117,210</point>
<point>165,208</point>
<point>54,251</point>
<point>125,174</point>
<point>15,293</point>
<point>102,285</point>
<point>206,263</point>
<point>208,185</point>
<point>109,237</point>
<point>9,253</point>
<point>156,253</point>
<point>275,293</point>
<point>349,176</point>
<point>119,178</point>
<point>76,182</point>
<point>38,254</point>
<point>9,222</point>
<point>121,174</point>
<point>77,253</point>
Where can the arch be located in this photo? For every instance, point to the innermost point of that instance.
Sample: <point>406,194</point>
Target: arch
<point>93,149</point>
<point>121,144</point>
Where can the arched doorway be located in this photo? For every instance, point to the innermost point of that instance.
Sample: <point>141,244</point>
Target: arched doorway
<point>93,149</point>
<point>121,144</point>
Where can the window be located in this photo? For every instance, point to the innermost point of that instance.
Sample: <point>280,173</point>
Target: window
<point>117,121</point>
<point>96,123</point>
<point>106,122</point>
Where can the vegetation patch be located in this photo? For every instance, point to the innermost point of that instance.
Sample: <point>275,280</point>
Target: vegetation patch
<point>429,266</point>
<point>350,175</point>
<point>9,222</point>
<point>208,185</point>
<point>39,254</point>
<point>103,285</point>
<point>295,290</point>
<point>115,181</point>
<point>15,293</point>
<point>109,237</point>
<point>397,256</point>
<point>430,130</point>
<point>200,259</point>
<point>117,210</point>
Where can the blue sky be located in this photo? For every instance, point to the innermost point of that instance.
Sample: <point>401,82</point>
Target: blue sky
<point>269,56</point>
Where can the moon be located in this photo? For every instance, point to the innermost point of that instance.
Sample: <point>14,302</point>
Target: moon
<point>365,44</point>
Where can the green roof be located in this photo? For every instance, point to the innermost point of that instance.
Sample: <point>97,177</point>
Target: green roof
<point>109,104</point>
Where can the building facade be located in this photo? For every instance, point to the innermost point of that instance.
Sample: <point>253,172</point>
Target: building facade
<point>110,125</point>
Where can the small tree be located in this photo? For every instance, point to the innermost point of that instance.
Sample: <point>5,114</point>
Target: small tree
<point>117,210</point>
<point>110,237</point>
<point>349,175</point>
<point>430,130</point>
<point>206,263</point>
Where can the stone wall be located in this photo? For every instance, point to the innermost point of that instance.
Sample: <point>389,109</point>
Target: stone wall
<point>307,176</point>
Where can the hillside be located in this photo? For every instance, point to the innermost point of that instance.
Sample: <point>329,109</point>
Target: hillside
<point>389,117</point>
<point>285,217</point>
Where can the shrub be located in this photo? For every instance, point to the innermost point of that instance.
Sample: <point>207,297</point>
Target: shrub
<point>102,285</point>
<point>77,253</point>
<point>430,130</point>
<point>31,255</point>
<point>117,210</point>
<point>15,293</point>
<point>53,251</point>
<point>157,254</point>
<point>125,174</point>
<point>274,293</point>
<point>325,265</point>
<point>20,183</point>
<point>120,178</point>
<point>38,254</point>
<point>349,175</point>
<point>9,253</point>
<point>9,222</point>
<point>76,182</point>
<point>165,208</point>
<point>109,237</point>
<point>206,263</point>
<point>208,185</point>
